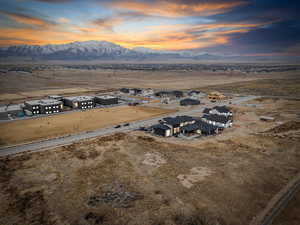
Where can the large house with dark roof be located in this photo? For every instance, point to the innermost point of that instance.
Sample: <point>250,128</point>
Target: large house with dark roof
<point>189,101</point>
<point>200,127</point>
<point>169,94</point>
<point>219,110</point>
<point>217,120</point>
<point>162,130</point>
<point>177,122</point>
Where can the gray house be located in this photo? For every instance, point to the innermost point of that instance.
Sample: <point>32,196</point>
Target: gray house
<point>79,102</point>
<point>44,106</point>
<point>217,120</point>
<point>176,123</point>
<point>106,100</point>
<point>189,101</point>
<point>162,130</point>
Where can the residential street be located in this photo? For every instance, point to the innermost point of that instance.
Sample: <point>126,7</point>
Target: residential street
<point>65,140</point>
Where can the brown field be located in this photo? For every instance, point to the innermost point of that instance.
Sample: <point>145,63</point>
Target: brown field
<point>139,179</point>
<point>290,215</point>
<point>265,87</point>
<point>63,124</point>
<point>15,86</point>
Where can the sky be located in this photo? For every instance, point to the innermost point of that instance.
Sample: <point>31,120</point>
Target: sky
<point>228,27</point>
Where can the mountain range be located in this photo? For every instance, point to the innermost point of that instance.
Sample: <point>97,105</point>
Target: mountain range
<point>103,50</point>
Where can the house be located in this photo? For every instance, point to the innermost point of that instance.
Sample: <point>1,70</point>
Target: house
<point>189,101</point>
<point>148,92</point>
<point>214,96</point>
<point>217,120</point>
<point>206,128</point>
<point>163,94</point>
<point>124,90</point>
<point>79,102</point>
<point>221,110</point>
<point>106,100</point>
<point>162,130</point>
<point>56,97</point>
<point>199,127</point>
<point>191,93</point>
<point>196,94</point>
<point>177,94</point>
<point>206,111</point>
<point>191,129</point>
<point>44,106</point>
<point>135,91</point>
<point>132,91</point>
<point>169,94</point>
<point>177,122</point>
<point>15,110</point>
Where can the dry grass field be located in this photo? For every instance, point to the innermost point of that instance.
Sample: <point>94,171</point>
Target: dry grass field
<point>266,87</point>
<point>21,131</point>
<point>15,86</point>
<point>291,215</point>
<point>139,179</point>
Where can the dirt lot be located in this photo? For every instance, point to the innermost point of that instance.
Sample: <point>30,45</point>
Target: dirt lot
<point>140,179</point>
<point>63,124</point>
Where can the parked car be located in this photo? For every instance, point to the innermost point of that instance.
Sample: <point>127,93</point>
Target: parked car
<point>118,126</point>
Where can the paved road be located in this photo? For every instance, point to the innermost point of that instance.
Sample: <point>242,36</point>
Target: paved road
<point>278,203</point>
<point>65,140</point>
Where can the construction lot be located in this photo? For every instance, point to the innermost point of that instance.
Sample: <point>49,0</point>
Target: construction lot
<point>23,131</point>
<point>135,178</point>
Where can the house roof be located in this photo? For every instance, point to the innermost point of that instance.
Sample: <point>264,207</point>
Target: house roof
<point>44,102</point>
<point>191,127</point>
<point>222,109</point>
<point>178,119</point>
<point>206,127</point>
<point>200,125</point>
<point>160,126</point>
<point>105,97</point>
<point>170,93</point>
<point>216,118</point>
<point>79,98</point>
<point>206,110</point>
<point>194,92</point>
<point>189,101</point>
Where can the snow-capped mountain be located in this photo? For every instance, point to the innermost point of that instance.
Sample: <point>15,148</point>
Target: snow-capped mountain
<point>98,50</point>
<point>74,50</point>
<point>104,50</point>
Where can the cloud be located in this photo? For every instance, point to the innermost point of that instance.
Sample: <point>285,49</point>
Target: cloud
<point>63,20</point>
<point>28,20</point>
<point>107,23</point>
<point>54,1</point>
<point>168,8</point>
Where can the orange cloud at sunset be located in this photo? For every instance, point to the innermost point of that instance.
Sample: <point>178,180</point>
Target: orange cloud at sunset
<point>25,19</point>
<point>177,9</point>
<point>169,37</point>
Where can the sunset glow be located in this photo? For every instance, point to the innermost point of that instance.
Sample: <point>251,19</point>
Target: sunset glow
<point>229,27</point>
